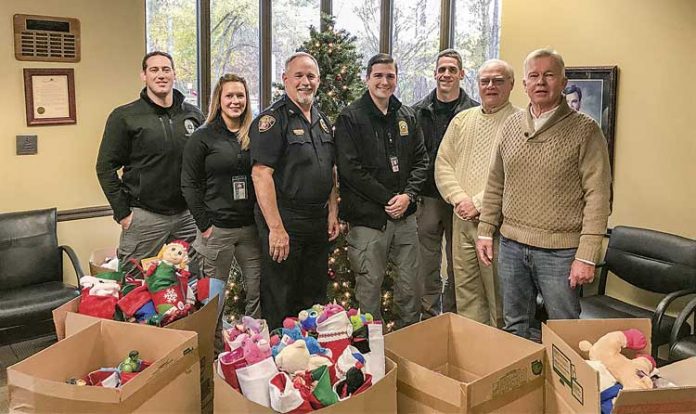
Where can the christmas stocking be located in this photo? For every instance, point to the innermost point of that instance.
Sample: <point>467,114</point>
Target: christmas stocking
<point>100,294</point>
<point>254,381</point>
<point>134,300</point>
<point>285,398</point>
<point>374,360</point>
<point>227,365</point>
<point>335,333</point>
<point>168,290</point>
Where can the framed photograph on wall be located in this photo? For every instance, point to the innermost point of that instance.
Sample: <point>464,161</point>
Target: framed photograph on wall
<point>49,95</point>
<point>592,91</point>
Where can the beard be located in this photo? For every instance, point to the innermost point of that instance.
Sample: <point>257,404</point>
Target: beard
<point>305,98</point>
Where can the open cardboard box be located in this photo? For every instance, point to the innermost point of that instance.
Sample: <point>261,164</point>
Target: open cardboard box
<point>96,259</point>
<point>203,322</point>
<point>453,364</point>
<point>170,384</point>
<point>572,386</point>
<point>379,398</point>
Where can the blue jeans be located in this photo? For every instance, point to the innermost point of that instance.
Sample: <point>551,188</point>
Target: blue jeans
<point>525,271</point>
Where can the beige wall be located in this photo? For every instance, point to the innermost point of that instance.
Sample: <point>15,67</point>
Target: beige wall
<point>62,174</point>
<point>653,43</point>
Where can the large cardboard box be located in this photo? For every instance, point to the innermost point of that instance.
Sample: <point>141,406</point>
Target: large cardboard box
<point>379,398</point>
<point>97,258</point>
<point>203,322</point>
<point>451,364</point>
<point>37,384</point>
<point>572,386</point>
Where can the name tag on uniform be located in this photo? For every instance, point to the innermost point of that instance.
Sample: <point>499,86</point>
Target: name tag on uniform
<point>298,132</point>
<point>394,161</point>
<point>239,187</point>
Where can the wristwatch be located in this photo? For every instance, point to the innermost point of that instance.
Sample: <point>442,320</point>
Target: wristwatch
<point>411,197</point>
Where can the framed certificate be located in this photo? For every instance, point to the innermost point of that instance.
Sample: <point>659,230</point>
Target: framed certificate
<point>50,96</point>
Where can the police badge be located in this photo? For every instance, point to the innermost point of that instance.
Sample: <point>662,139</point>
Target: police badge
<point>323,125</point>
<point>190,126</point>
<point>266,122</point>
<point>403,128</point>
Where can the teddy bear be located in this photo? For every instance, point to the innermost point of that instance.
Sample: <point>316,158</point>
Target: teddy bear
<point>630,373</point>
<point>295,357</point>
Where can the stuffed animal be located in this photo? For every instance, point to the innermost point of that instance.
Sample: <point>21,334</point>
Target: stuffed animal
<point>167,282</point>
<point>256,349</point>
<point>131,363</point>
<point>295,357</point>
<point>630,373</point>
<point>358,320</point>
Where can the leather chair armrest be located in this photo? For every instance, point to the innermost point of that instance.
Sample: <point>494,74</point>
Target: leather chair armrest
<point>680,321</point>
<point>664,304</point>
<point>74,260</point>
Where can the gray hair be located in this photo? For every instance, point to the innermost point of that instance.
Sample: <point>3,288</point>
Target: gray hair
<point>298,55</point>
<point>507,68</point>
<point>542,53</point>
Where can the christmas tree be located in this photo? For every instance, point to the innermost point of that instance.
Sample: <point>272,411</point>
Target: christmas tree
<point>340,69</point>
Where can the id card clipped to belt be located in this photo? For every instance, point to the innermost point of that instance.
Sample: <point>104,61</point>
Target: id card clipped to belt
<point>394,161</point>
<point>240,187</point>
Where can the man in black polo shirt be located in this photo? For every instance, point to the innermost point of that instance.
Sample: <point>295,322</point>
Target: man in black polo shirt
<point>146,139</point>
<point>293,158</point>
<point>434,215</point>
<point>382,165</point>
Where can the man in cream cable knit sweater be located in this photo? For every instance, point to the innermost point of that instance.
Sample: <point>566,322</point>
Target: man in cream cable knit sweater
<point>461,171</point>
<point>548,191</point>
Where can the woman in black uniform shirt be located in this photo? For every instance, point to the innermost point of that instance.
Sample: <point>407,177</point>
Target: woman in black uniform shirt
<point>216,182</point>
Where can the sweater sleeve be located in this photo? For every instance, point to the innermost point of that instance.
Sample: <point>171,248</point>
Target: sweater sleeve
<point>445,163</point>
<point>350,169</point>
<point>113,154</point>
<point>595,176</point>
<point>193,179</point>
<point>491,208</point>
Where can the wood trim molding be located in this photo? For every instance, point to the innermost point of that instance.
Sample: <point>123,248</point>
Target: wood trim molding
<point>84,213</point>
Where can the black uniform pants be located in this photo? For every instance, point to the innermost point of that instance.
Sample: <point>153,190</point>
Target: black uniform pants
<point>300,281</point>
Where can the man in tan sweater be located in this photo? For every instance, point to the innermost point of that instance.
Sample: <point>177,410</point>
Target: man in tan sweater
<point>548,192</point>
<point>461,171</point>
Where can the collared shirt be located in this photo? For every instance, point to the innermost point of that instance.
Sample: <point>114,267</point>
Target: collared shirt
<point>540,120</point>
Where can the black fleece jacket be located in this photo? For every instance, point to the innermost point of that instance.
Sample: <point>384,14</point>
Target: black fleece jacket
<point>147,141</point>
<point>366,140</point>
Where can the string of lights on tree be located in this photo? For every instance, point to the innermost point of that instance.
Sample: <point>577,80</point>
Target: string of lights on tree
<point>340,69</point>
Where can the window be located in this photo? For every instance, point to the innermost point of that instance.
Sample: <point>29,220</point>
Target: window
<point>291,20</point>
<point>477,37</point>
<point>171,27</point>
<point>234,43</point>
<point>416,41</point>
<point>360,18</point>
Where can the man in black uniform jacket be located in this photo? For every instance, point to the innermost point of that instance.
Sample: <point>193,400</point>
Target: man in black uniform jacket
<point>382,165</point>
<point>434,214</point>
<point>293,158</point>
<point>146,138</point>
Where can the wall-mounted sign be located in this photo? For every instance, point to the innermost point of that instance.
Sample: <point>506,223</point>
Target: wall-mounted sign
<point>50,96</point>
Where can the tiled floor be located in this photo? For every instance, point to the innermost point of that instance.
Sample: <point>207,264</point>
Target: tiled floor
<point>11,354</point>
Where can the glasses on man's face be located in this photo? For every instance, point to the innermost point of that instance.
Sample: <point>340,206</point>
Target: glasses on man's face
<point>483,82</point>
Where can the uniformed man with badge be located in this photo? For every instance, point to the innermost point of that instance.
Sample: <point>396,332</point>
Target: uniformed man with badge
<point>382,165</point>
<point>293,158</point>
<point>146,139</point>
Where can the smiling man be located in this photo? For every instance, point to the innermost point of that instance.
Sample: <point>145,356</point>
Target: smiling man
<point>461,171</point>
<point>434,215</point>
<point>146,139</point>
<point>548,193</point>
<point>293,158</point>
<point>382,164</point>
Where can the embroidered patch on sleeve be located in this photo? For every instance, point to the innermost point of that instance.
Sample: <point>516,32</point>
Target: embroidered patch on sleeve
<point>266,122</point>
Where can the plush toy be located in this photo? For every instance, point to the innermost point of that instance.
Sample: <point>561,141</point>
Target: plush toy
<point>256,349</point>
<point>308,318</point>
<point>358,320</point>
<point>289,333</point>
<point>131,363</point>
<point>295,357</point>
<point>334,329</point>
<point>167,282</point>
<point>630,373</point>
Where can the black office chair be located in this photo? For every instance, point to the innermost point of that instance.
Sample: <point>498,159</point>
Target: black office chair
<point>31,275</point>
<point>680,346</point>
<point>650,260</point>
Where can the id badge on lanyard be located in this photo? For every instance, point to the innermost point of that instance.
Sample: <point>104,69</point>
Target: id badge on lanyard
<point>394,161</point>
<point>240,187</point>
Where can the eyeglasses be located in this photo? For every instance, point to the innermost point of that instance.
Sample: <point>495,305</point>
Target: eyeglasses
<point>483,82</point>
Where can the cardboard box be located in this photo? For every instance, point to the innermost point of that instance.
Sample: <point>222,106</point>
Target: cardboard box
<point>96,258</point>
<point>453,364</point>
<point>379,398</point>
<point>37,384</point>
<point>203,322</point>
<point>572,386</point>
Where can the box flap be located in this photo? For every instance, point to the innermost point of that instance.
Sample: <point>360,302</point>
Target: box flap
<point>75,322</point>
<point>681,373</point>
<point>667,400</point>
<point>59,314</point>
<point>569,375</point>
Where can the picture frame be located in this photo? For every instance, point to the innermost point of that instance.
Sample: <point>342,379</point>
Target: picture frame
<point>597,85</point>
<point>49,95</point>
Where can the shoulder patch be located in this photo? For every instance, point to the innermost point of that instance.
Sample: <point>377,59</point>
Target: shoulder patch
<point>323,126</point>
<point>266,122</point>
<point>403,128</point>
<point>190,126</point>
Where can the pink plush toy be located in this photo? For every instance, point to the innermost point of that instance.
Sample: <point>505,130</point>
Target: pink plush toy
<point>256,349</point>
